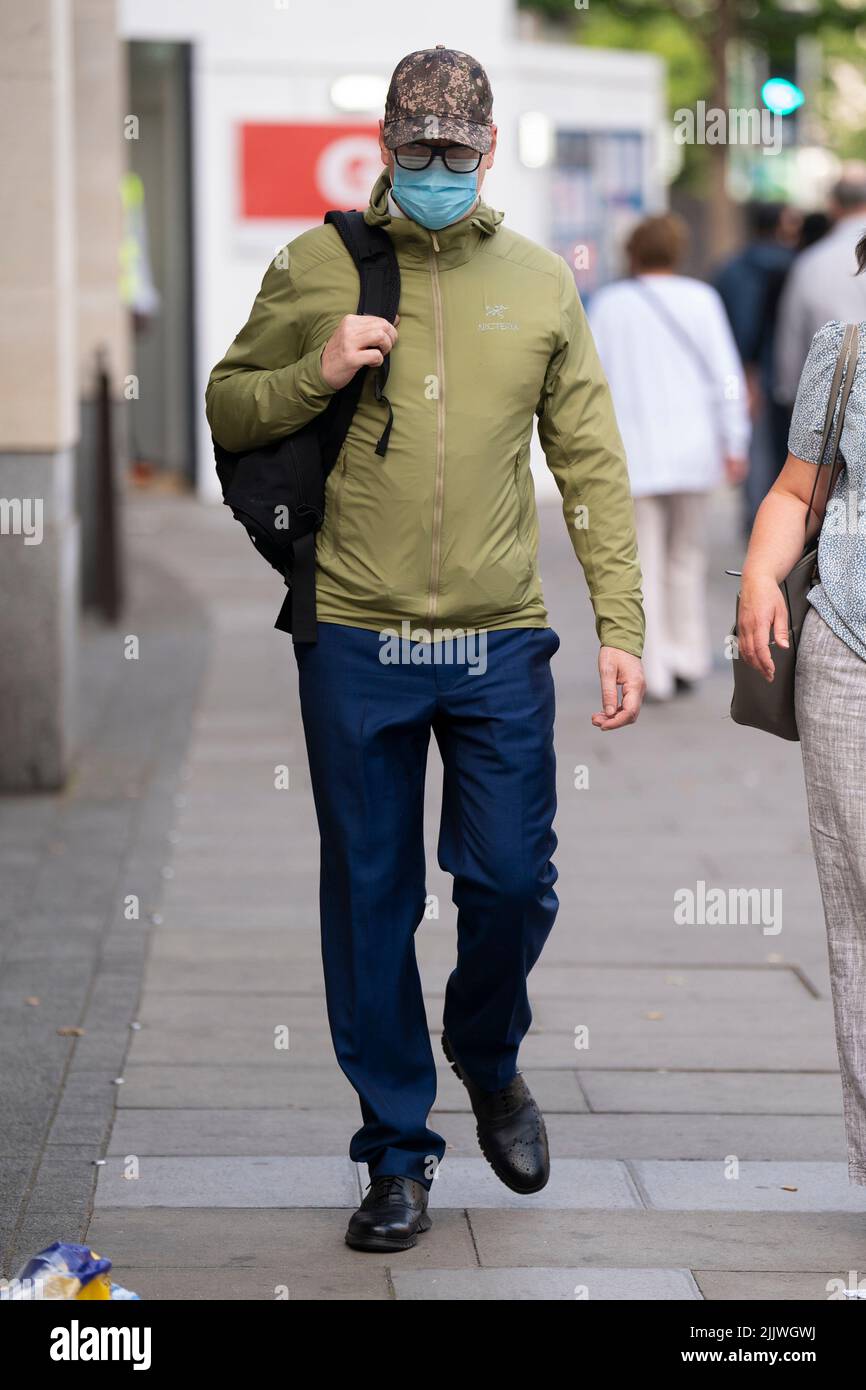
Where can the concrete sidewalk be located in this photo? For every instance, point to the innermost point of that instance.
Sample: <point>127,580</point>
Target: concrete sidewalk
<point>697,1138</point>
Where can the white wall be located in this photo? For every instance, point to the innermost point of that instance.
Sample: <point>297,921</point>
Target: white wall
<point>259,59</point>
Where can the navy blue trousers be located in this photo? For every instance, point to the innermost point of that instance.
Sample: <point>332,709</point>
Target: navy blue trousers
<point>367,726</point>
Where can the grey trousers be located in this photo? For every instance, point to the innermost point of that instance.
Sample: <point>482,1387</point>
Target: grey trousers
<point>830,696</point>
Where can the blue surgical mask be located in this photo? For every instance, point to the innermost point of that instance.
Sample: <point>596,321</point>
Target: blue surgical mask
<point>434,196</point>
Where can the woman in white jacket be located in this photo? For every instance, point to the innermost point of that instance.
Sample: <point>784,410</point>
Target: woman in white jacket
<point>680,398</point>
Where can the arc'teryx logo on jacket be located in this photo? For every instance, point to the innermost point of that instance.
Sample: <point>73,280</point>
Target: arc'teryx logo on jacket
<point>444,530</point>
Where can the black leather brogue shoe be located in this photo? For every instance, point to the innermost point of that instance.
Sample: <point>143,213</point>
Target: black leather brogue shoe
<point>510,1129</point>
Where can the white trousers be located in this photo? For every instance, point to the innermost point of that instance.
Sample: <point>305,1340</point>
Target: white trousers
<point>671,535</point>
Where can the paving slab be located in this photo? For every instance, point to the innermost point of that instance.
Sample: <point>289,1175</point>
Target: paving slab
<point>772,984</point>
<point>210,943</point>
<point>245,1181</point>
<point>579,1284</point>
<point>315,1085</point>
<point>745,1186</point>
<point>224,1133</point>
<point>574,1183</point>
<point>652,1044</point>
<point>359,1284</point>
<point>226,1039</point>
<point>160,1087</point>
<point>327,1130</point>
<point>206,976</point>
<point>254,915</point>
<point>709,1240</point>
<point>240,1241</point>
<point>685,1090</point>
<point>755,1286</point>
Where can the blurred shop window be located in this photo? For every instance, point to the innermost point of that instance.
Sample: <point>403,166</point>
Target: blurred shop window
<point>138,291</point>
<point>157,266</point>
<point>597,193</point>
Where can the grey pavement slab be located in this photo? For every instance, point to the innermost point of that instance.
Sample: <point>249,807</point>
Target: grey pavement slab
<point>209,976</point>
<point>707,1240</point>
<point>84,1112</point>
<point>636,938</point>
<point>778,1186</point>
<point>713,1092</point>
<point>161,1087</point>
<point>239,1241</point>
<point>327,1130</point>
<point>466,1285</point>
<point>212,1011</point>
<point>315,1085</point>
<point>668,1015</point>
<point>753,1286</point>
<point>772,984</point>
<point>267,1181</point>
<point>230,1042</point>
<point>358,1283</point>
<point>209,944</point>
<point>223,1026</point>
<point>231,1132</point>
<point>252,915</point>
<point>653,1044</point>
<point>574,1183</point>
<point>248,1181</point>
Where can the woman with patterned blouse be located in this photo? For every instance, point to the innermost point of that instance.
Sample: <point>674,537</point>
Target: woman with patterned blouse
<point>830,687</point>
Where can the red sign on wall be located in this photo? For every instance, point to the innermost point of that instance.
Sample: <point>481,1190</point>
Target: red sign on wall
<point>300,171</point>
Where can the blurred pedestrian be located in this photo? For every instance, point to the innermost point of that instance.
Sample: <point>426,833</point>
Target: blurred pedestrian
<point>830,677</point>
<point>821,286</point>
<point>813,227</point>
<point>750,285</point>
<point>680,397</point>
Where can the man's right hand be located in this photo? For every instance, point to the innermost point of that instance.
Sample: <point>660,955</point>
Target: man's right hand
<point>360,340</point>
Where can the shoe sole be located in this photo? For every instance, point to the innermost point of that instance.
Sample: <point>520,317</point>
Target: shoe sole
<point>380,1244</point>
<point>505,1178</point>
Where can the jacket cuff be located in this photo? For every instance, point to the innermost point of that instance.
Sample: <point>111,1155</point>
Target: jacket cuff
<point>310,387</point>
<point>626,634</point>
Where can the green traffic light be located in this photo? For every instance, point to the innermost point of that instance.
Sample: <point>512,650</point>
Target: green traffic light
<point>781,96</point>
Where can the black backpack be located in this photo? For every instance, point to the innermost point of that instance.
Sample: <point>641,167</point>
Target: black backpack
<point>278,491</point>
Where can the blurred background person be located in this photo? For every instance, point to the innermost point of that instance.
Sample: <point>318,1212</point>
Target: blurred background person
<point>821,286</point>
<point>813,227</point>
<point>680,397</point>
<point>750,285</point>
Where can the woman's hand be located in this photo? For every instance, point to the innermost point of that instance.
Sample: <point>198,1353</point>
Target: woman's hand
<point>762,607</point>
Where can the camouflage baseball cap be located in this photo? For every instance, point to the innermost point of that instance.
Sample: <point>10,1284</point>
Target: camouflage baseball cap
<point>439,94</point>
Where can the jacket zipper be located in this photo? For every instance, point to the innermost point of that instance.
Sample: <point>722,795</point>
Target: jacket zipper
<point>439,486</point>
<point>338,498</point>
<point>521,511</point>
<point>519,498</point>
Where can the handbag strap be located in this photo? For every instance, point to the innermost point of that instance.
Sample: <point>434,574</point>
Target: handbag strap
<point>675,328</point>
<point>846,366</point>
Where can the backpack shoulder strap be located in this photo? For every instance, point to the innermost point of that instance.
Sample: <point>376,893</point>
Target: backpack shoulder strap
<point>373,253</point>
<point>379,275</point>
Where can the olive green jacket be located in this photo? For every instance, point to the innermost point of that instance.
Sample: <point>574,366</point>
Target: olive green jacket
<point>443,531</point>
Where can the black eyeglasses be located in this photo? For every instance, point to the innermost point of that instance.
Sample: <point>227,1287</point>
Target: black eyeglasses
<point>460,159</point>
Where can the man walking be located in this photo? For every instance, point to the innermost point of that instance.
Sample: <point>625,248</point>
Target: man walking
<point>431,618</point>
<point>822,284</point>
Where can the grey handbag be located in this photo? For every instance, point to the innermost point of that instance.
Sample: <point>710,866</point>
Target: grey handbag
<point>769,705</point>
